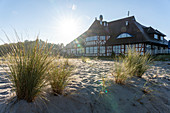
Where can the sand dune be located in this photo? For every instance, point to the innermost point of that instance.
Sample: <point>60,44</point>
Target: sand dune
<point>85,94</point>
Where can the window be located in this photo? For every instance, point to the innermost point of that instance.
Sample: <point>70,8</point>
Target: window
<point>102,49</point>
<point>124,35</point>
<point>127,23</point>
<point>114,48</point>
<point>73,51</point>
<point>89,43</point>
<point>162,38</point>
<point>100,22</point>
<point>155,36</point>
<point>140,45</point>
<point>95,49</point>
<point>137,49</point>
<point>109,49</point>
<point>136,45</point>
<point>92,38</point>
<point>117,49</point>
<point>87,50</point>
<point>91,49</point>
<point>80,50</point>
<point>104,24</point>
<point>87,39</point>
<point>122,48</point>
<point>102,37</point>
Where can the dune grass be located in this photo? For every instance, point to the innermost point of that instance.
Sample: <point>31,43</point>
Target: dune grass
<point>140,63</point>
<point>121,72</point>
<point>31,66</point>
<point>28,69</point>
<point>84,59</point>
<point>133,64</point>
<point>59,76</point>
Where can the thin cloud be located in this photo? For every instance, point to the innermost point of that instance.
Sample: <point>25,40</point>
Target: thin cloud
<point>74,7</point>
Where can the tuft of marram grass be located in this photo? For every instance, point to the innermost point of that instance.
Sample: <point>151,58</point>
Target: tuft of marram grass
<point>121,72</point>
<point>59,76</point>
<point>133,64</point>
<point>28,70</point>
<point>84,59</point>
<point>140,63</point>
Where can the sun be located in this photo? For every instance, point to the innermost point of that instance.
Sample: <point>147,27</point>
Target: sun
<point>69,27</point>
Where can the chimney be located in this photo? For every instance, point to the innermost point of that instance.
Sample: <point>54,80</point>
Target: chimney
<point>101,18</point>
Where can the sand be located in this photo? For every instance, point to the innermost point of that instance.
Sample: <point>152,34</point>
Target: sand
<point>86,94</point>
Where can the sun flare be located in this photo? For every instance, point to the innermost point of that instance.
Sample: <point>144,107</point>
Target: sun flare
<point>69,27</point>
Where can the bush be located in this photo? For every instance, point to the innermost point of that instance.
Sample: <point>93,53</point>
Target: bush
<point>59,77</point>
<point>28,70</point>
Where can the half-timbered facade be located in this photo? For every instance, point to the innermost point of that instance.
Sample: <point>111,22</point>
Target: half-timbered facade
<point>103,38</point>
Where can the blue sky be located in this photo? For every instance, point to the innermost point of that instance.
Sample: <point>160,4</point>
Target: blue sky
<point>47,17</point>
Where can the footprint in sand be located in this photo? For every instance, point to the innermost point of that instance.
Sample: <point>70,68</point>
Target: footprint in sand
<point>84,80</point>
<point>4,93</point>
<point>82,76</point>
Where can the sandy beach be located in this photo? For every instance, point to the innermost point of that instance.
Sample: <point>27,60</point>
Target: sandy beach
<point>87,94</point>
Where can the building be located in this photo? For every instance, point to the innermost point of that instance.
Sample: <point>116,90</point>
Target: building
<point>103,38</point>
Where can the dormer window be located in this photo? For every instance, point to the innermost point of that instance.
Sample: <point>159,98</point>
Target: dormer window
<point>105,24</point>
<point>100,22</point>
<point>161,37</point>
<point>155,36</point>
<point>124,35</point>
<point>127,23</point>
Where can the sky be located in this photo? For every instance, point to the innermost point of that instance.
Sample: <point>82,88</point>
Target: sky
<point>61,21</point>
